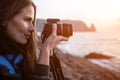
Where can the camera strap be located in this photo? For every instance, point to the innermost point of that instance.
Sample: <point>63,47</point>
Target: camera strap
<point>55,67</point>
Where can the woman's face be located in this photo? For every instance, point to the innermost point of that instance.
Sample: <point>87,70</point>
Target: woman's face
<point>21,26</point>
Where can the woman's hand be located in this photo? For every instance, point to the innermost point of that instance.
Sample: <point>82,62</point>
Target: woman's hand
<point>53,39</point>
<point>49,44</point>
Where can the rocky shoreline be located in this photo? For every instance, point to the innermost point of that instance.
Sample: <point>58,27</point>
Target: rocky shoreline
<point>78,68</point>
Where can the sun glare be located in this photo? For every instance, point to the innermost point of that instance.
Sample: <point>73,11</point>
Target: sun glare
<point>104,12</point>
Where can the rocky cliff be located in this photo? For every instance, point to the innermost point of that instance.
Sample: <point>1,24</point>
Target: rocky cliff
<point>92,28</point>
<point>78,26</point>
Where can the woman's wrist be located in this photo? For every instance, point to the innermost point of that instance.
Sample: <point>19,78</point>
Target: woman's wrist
<point>45,47</point>
<point>44,55</point>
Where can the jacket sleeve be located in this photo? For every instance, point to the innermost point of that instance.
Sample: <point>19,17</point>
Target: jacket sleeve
<point>5,75</point>
<point>41,72</point>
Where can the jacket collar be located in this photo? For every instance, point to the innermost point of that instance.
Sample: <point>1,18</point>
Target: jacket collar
<point>14,58</point>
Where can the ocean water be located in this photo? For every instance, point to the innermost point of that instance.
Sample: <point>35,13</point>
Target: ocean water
<point>82,43</point>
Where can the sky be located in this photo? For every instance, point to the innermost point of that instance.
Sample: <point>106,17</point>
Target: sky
<point>102,13</point>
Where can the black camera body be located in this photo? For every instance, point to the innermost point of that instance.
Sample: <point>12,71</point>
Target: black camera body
<point>63,29</point>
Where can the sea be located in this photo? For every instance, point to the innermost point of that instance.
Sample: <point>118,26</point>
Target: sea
<point>83,43</point>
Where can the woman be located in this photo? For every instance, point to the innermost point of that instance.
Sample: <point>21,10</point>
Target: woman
<point>18,42</point>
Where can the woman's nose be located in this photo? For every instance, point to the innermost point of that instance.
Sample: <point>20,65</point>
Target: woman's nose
<point>31,28</point>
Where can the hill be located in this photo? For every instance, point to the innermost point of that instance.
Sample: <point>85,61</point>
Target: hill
<point>78,26</point>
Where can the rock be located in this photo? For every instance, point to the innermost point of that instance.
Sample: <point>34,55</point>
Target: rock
<point>95,55</point>
<point>92,28</point>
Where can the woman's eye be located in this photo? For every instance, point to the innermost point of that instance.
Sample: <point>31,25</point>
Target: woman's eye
<point>27,19</point>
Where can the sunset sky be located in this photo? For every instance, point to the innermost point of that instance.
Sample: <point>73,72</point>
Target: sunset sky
<point>103,13</point>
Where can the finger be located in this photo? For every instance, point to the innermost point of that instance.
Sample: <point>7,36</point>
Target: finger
<point>54,29</point>
<point>61,38</point>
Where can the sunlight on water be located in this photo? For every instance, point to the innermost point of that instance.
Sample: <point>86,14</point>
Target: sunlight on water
<point>82,43</point>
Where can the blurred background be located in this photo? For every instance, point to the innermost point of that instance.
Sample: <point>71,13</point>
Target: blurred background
<point>96,25</point>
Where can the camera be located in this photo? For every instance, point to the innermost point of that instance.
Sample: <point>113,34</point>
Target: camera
<point>63,29</point>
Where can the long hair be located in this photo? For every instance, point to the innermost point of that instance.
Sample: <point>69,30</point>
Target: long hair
<point>8,9</point>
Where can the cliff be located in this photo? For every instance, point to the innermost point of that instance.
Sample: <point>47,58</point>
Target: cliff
<point>92,28</point>
<point>78,26</point>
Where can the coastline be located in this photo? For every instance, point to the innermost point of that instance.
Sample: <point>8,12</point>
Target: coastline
<point>79,68</point>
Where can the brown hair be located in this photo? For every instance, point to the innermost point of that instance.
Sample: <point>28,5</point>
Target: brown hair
<point>8,9</point>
